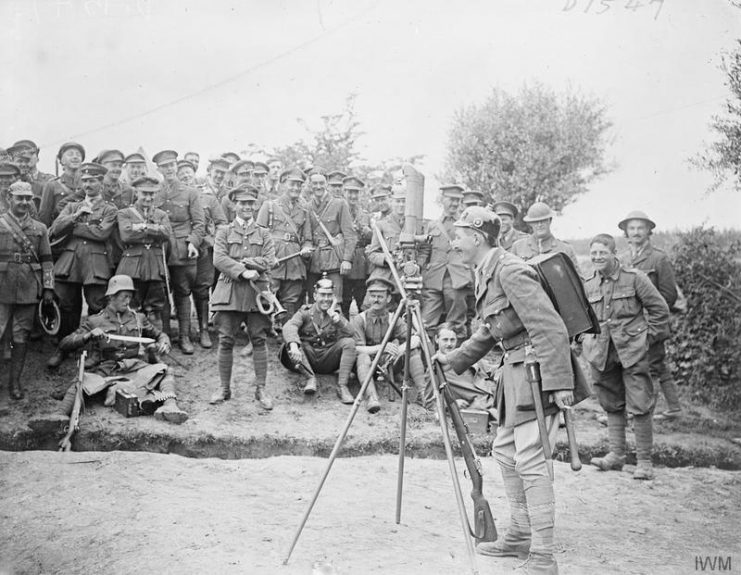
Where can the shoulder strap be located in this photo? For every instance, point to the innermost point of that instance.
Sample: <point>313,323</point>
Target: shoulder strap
<point>19,236</point>
<point>289,220</point>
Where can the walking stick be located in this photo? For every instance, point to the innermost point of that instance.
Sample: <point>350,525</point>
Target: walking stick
<point>571,436</point>
<point>343,433</point>
<point>403,433</point>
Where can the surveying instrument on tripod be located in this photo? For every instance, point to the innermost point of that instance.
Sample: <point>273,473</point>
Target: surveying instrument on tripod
<point>406,274</point>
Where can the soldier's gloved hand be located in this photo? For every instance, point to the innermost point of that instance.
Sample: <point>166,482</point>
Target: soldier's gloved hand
<point>250,274</point>
<point>345,267</point>
<point>294,352</point>
<point>564,399</point>
<point>97,333</point>
<point>48,296</point>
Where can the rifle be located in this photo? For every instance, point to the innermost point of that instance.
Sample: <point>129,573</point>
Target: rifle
<point>484,527</point>
<point>74,418</point>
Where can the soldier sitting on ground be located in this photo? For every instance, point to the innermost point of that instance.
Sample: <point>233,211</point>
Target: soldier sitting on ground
<point>122,365</point>
<point>319,340</point>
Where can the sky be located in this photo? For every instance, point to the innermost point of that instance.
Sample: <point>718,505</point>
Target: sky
<point>216,76</point>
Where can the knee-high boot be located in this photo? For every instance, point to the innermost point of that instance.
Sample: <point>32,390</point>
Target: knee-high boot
<point>202,312</point>
<point>17,362</point>
<point>183,305</point>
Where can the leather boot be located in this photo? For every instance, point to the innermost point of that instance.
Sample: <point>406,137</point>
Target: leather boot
<point>644,470</point>
<point>204,336</point>
<point>371,395</point>
<point>309,381</point>
<point>221,395</point>
<point>344,394</point>
<point>186,346</point>
<point>17,361</point>
<point>56,359</point>
<point>263,398</point>
<point>171,412</point>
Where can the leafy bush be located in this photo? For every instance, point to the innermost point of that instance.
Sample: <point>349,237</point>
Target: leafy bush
<point>706,348</point>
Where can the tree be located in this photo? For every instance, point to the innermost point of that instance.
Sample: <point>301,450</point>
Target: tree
<point>535,146</point>
<point>723,157</point>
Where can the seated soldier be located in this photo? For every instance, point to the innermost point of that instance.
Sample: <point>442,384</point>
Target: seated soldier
<point>120,364</point>
<point>318,339</point>
<point>470,389</point>
<point>369,329</point>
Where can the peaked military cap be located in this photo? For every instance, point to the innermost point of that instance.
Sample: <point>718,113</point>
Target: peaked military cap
<point>135,158</point>
<point>165,157</point>
<point>452,191</point>
<point>20,189</point>
<point>353,183</point>
<point>146,184</point>
<point>231,157</point>
<point>293,174</point>
<point>92,170</point>
<point>9,169</point>
<point>70,145</point>
<point>220,161</point>
<point>30,144</point>
<point>110,156</point>
<point>636,215</point>
<point>336,177</point>
<point>480,219</point>
<point>186,164</point>
<point>243,192</point>
<point>503,207</point>
<point>236,166</point>
<point>260,168</point>
<point>538,212</point>
<point>379,283</point>
<point>473,197</point>
<point>380,191</point>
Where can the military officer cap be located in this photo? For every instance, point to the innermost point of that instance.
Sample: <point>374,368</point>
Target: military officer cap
<point>231,157</point>
<point>472,197</point>
<point>236,166</point>
<point>380,191</point>
<point>353,183</point>
<point>539,211</point>
<point>399,192</point>
<point>502,207</point>
<point>636,215</point>
<point>110,156</point>
<point>9,169</point>
<point>30,144</point>
<point>146,184</point>
<point>379,284</point>
<point>16,150</point>
<point>293,175</point>
<point>165,157</point>
<point>324,285</point>
<point>69,145</point>
<point>135,158</point>
<point>92,170</point>
<point>119,283</point>
<point>186,164</point>
<point>243,192</point>
<point>452,191</point>
<point>260,168</point>
<point>20,189</point>
<point>220,161</point>
<point>4,155</point>
<point>336,177</point>
<point>482,220</point>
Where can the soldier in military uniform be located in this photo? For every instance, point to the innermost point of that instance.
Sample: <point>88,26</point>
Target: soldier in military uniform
<point>9,174</point>
<point>334,235</point>
<point>183,207</point>
<point>369,328</point>
<point>260,171</point>
<point>127,366</point>
<point>542,241</point>
<point>273,182</point>
<point>83,231</point>
<point>507,213</point>
<point>195,160</point>
<point>335,184</point>
<point>390,227</point>
<point>241,174</point>
<point>136,167</point>
<point>354,282</point>
<point>380,196</point>
<point>66,188</point>
<point>187,174</point>
<point>632,315</point>
<point>145,231</point>
<point>447,282</point>
<point>318,339</point>
<point>118,193</point>
<point>472,198</point>
<point>25,276</point>
<point>287,219</point>
<point>244,254</point>
<point>516,313</point>
<point>27,159</point>
<point>654,262</point>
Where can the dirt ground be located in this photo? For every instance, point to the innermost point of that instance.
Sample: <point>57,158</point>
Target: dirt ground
<point>124,512</point>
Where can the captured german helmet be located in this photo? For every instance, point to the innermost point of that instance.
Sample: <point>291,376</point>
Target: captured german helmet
<point>482,220</point>
<point>324,285</point>
<point>119,283</point>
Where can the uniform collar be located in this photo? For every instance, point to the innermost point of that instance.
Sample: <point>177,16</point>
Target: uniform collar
<point>612,276</point>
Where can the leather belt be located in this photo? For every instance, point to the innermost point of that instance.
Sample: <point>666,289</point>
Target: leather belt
<point>287,237</point>
<point>516,341</point>
<point>19,258</point>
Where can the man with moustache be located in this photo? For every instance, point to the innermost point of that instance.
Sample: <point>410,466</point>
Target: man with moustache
<point>273,182</point>
<point>654,262</point>
<point>507,213</point>
<point>9,174</point>
<point>66,188</point>
<point>136,167</point>
<point>447,283</point>
<point>145,230</point>
<point>287,219</point>
<point>241,246</point>
<point>183,207</point>
<point>27,159</point>
<point>25,277</point>
<point>380,196</point>
<point>390,227</point>
<point>472,198</point>
<point>354,282</point>
<point>542,241</point>
<point>632,315</point>
<point>83,230</point>
<point>335,184</point>
<point>241,173</point>
<point>115,191</point>
<point>334,235</point>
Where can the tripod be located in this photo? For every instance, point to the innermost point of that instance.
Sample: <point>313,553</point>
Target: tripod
<point>409,289</point>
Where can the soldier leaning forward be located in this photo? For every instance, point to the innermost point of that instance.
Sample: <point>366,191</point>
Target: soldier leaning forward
<point>287,219</point>
<point>127,366</point>
<point>83,230</point>
<point>183,206</point>
<point>334,235</point>
<point>144,231</point>
<point>25,276</point>
<point>244,254</point>
<point>632,315</point>
<point>318,339</point>
<point>354,282</point>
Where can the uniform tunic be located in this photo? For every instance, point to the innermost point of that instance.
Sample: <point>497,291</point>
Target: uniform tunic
<point>390,228</point>
<point>142,255</point>
<point>529,247</point>
<point>119,194</point>
<point>56,194</point>
<point>183,208</point>
<point>335,215</point>
<point>507,240</point>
